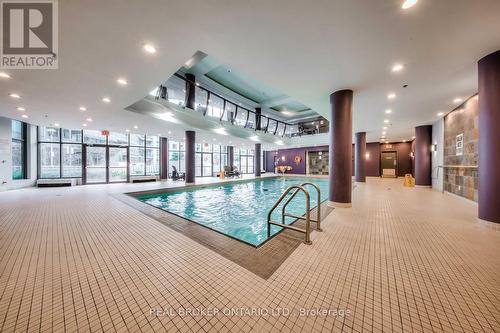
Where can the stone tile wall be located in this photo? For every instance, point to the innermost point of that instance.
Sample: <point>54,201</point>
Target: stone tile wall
<point>462,181</point>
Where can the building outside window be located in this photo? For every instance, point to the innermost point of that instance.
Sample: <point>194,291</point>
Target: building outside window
<point>176,156</point>
<point>210,159</point>
<point>243,160</point>
<point>18,150</point>
<point>60,154</point>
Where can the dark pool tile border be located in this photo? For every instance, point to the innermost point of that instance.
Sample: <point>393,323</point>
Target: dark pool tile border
<point>183,187</point>
<point>262,261</point>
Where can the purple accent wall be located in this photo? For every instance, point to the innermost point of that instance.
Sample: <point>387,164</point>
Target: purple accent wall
<point>190,156</point>
<point>290,153</point>
<point>163,158</point>
<point>360,157</point>
<point>423,141</point>
<point>403,150</point>
<point>373,162</point>
<point>413,158</point>
<point>270,160</point>
<point>489,137</point>
<point>340,152</point>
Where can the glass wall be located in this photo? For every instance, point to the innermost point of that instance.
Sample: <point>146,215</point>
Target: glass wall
<point>210,159</point>
<point>243,160</point>
<point>60,154</point>
<point>212,105</point>
<point>18,150</point>
<point>49,153</point>
<point>176,155</point>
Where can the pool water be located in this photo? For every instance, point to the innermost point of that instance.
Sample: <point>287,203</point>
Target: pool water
<point>238,209</point>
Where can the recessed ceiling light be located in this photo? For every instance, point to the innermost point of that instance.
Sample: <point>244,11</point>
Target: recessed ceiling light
<point>388,111</point>
<point>4,75</point>
<point>403,141</point>
<point>384,133</point>
<point>14,95</point>
<point>149,48</point>
<point>440,114</point>
<point>385,127</point>
<point>83,108</point>
<point>386,121</point>
<point>169,132</point>
<point>391,96</point>
<point>106,99</point>
<point>397,67</point>
<point>56,124</point>
<point>136,127</point>
<point>84,125</point>
<point>122,81</point>
<point>457,100</point>
<point>127,130</point>
<point>383,136</point>
<point>89,120</point>
<point>413,137</point>
<point>408,4</point>
<point>24,116</point>
<point>20,108</point>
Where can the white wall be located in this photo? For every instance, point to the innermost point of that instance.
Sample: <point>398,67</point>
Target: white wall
<point>438,155</point>
<point>6,181</point>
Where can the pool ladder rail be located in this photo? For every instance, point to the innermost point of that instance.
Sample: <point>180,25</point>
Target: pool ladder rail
<point>307,218</point>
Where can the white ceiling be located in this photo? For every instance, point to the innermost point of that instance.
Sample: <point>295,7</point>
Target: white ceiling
<point>305,49</point>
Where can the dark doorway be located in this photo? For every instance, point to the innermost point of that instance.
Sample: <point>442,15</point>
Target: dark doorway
<point>389,164</point>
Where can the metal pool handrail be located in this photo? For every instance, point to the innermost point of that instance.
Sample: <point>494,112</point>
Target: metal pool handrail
<point>318,212</point>
<point>286,226</point>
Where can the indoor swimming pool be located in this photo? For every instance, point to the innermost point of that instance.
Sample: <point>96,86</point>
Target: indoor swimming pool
<point>237,209</point>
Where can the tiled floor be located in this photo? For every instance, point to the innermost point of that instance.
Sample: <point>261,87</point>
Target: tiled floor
<point>77,259</point>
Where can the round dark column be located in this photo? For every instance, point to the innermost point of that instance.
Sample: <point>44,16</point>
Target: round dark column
<point>360,157</point>
<point>256,164</point>
<point>190,91</point>
<point>230,156</point>
<point>489,138</point>
<point>423,142</point>
<point>163,158</point>
<point>340,151</point>
<point>190,157</point>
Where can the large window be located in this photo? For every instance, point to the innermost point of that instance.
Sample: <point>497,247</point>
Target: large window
<point>210,159</point>
<point>243,160</point>
<point>176,155</point>
<point>50,150</point>
<point>144,155</point>
<point>18,150</point>
<point>60,153</point>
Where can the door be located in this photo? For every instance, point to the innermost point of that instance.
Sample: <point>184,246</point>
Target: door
<point>104,164</point>
<point>117,164</point>
<point>95,164</point>
<point>389,163</point>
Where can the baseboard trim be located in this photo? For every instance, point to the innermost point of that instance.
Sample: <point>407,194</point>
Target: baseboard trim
<point>460,197</point>
<point>334,204</point>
